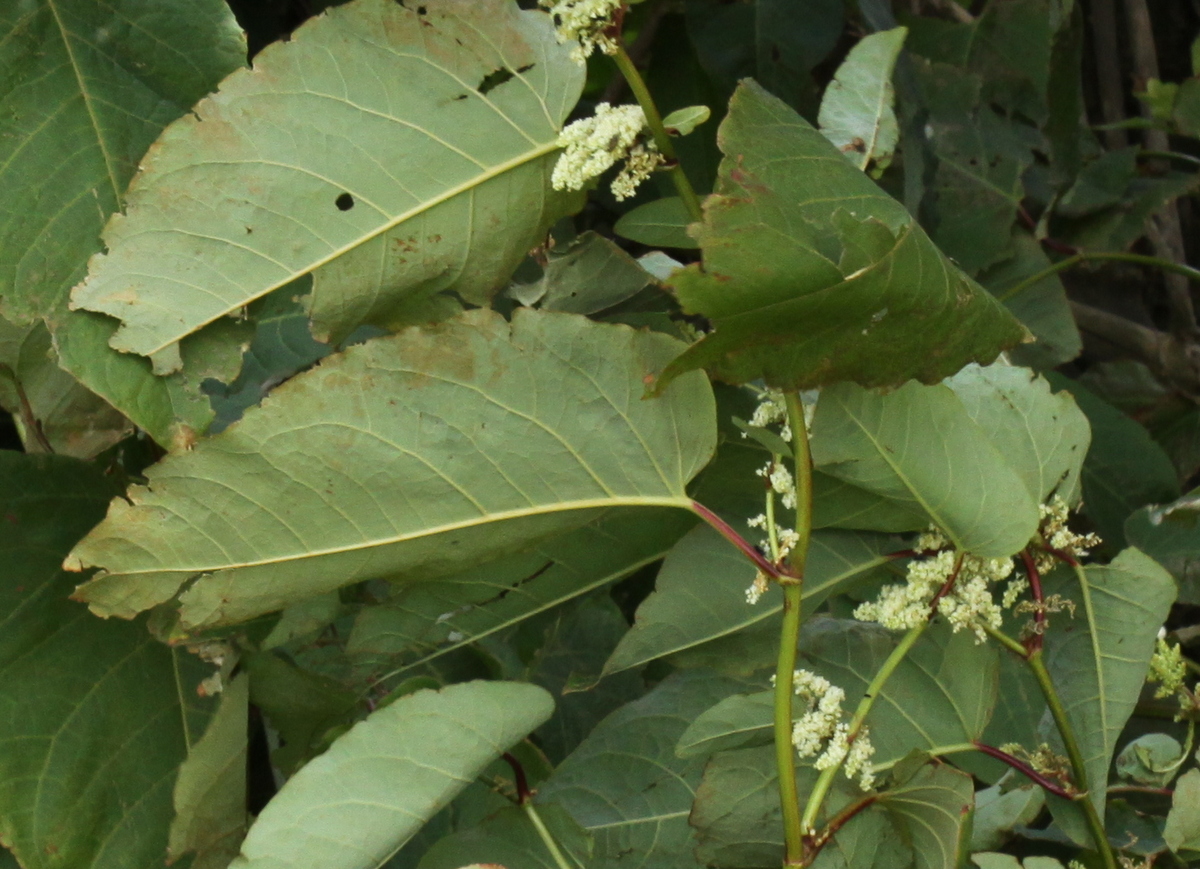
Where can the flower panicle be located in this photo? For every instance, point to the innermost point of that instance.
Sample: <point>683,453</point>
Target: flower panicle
<point>591,146</point>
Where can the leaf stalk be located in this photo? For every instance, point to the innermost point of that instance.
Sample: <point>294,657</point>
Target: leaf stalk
<point>1099,256</point>
<point>662,139</point>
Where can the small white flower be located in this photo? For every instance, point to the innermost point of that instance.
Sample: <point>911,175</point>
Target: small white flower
<point>1015,588</point>
<point>858,760</point>
<point>757,588</point>
<point>771,409</point>
<point>1057,535</point>
<point>787,541</point>
<point>584,21</point>
<point>643,159</point>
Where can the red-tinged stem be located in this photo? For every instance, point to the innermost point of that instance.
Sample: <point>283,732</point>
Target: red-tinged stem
<point>814,845</point>
<point>1065,557</point>
<point>523,791</point>
<point>1034,641</point>
<point>947,587</point>
<point>726,530</point>
<point>1025,770</point>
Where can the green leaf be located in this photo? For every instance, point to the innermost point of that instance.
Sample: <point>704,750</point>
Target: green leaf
<point>420,470</point>
<point>1099,665</point>
<point>73,421</point>
<point>933,809</point>
<point>1124,469</point>
<point>803,294</point>
<point>95,716</point>
<point>624,783</point>
<point>589,275</point>
<point>576,644</point>
<point>210,792</point>
<point>1170,534</point>
<point>700,593</point>
<point>683,121</point>
<point>1182,832</point>
<point>739,824</point>
<point>661,223</point>
<point>393,771</point>
<point>736,721</point>
<point>1151,759</point>
<point>858,109</point>
<point>1042,307</point>
<point>86,88</point>
<point>998,811</point>
<point>980,158</point>
<point>508,838</point>
<point>301,705</point>
<point>961,480</point>
<point>447,187</point>
<point>427,619</point>
<point>838,504</point>
<point>1043,436</point>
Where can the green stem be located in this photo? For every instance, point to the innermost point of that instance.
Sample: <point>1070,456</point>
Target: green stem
<point>560,859</point>
<point>654,121</point>
<point>789,795</point>
<point>1006,641</point>
<point>1099,256</point>
<point>1171,155</point>
<point>789,639</point>
<point>1078,767</point>
<point>825,780</point>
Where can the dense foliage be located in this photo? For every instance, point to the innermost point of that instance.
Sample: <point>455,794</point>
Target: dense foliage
<point>580,435</point>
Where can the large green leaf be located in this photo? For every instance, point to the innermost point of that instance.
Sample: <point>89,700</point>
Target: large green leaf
<point>858,109</point>
<point>73,421</point>
<point>1099,664</point>
<point>427,619</point>
<point>95,717</point>
<point>959,478</point>
<point>86,87</point>
<point>394,150</point>
<point>812,274</point>
<point>626,786</point>
<point>934,809</point>
<point>408,456</point>
<point>356,804</point>
<point>1182,832</point>
<point>700,594</point>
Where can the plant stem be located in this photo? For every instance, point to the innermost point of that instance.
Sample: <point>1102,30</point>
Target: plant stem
<point>1099,256</point>
<point>1078,766</point>
<point>825,780</point>
<point>727,531</point>
<point>1006,641</point>
<point>1024,768</point>
<point>789,639</point>
<point>789,795</point>
<point>654,121</point>
<point>560,859</point>
<point>1170,155</point>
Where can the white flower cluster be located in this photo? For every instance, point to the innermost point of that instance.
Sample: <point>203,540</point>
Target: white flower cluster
<point>1166,667</point>
<point>593,145</point>
<point>787,539</point>
<point>757,588</point>
<point>1058,536</point>
<point>821,731</point>
<point>781,480</point>
<point>968,604</point>
<point>584,21</point>
<point>772,410</point>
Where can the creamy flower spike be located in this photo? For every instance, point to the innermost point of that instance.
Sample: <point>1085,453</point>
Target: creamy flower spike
<point>585,22</point>
<point>1058,536</point>
<point>969,604</point>
<point>821,733</point>
<point>593,145</point>
<point>1166,668</point>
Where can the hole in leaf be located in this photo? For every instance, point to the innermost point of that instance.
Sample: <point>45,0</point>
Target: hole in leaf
<point>494,79</point>
<point>526,67</point>
<point>420,10</point>
<point>344,202</point>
